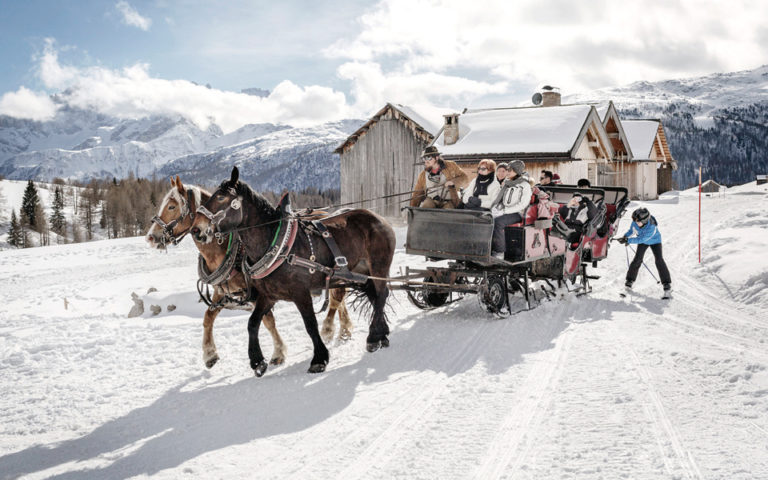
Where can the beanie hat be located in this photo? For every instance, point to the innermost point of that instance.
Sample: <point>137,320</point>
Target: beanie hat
<point>517,166</point>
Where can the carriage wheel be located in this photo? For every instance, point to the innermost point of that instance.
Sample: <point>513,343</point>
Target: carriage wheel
<point>427,298</point>
<point>494,295</point>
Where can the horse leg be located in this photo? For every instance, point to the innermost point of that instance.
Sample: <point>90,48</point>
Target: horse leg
<point>345,323</point>
<point>303,302</point>
<point>328,326</point>
<point>210,356</point>
<point>258,364</point>
<point>278,355</point>
<point>377,293</point>
<point>336,304</point>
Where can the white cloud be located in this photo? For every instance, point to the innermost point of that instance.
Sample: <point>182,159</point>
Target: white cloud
<point>25,103</point>
<point>574,45</point>
<point>133,93</point>
<point>132,17</point>
<point>372,88</point>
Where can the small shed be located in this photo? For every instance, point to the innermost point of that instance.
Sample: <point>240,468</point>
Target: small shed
<point>382,158</point>
<point>567,139</point>
<point>711,186</point>
<point>761,179</point>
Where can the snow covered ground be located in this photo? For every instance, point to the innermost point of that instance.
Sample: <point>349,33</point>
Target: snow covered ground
<point>579,388</point>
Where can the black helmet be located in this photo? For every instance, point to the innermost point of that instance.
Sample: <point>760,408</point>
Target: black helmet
<point>641,215</point>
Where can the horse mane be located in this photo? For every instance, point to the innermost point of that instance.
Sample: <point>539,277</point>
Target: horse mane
<point>196,191</point>
<point>260,203</point>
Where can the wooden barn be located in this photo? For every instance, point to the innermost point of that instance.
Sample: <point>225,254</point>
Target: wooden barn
<point>382,158</point>
<point>567,139</point>
<point>711,186</point>
<point>761,179</point>
<point>652,163</point>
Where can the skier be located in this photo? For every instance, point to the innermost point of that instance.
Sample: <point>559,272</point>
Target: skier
<point>645,234</point>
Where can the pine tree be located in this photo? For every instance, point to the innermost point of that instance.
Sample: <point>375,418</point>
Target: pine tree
<point>58,222</point>
<point>14,234</point>
<point>29,204</point>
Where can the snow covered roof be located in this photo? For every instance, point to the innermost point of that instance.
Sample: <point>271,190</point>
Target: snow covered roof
<point>641,135</point>
<point>425,121</point>
<point>534,130</point>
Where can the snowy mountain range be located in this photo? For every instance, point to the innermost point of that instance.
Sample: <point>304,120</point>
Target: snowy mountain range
<point>719,121</point>
<point>81,144</point>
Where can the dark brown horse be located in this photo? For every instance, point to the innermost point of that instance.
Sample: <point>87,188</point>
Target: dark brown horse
<point>365,239</point>
<point>174,220</point>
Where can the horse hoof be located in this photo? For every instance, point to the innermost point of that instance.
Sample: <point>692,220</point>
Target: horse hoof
<point>212,361</point>
<point>372,347</point>
<point>260,368</point>
<point>316,368</point>
<point>277,361</point>
<point>384,342</point>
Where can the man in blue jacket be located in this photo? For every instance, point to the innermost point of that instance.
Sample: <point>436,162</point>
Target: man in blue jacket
<point>645,233</point>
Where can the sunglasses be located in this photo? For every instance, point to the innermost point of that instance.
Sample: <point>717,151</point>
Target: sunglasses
<point>482,168</point>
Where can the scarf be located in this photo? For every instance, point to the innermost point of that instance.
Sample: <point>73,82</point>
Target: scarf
<point>481,184</point>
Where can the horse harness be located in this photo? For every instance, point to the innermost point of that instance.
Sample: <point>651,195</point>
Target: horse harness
<point>220,277</point>
<point>278,252</point>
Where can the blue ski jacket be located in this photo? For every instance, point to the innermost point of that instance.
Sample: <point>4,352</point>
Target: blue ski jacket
<point>648,234</point>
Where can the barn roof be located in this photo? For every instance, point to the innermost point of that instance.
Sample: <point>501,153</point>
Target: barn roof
<point>424,121</point>
<point>529,130</point>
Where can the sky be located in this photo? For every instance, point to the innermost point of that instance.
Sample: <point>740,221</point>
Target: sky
<point>332,59</point>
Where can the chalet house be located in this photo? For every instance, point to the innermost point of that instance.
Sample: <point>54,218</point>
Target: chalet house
<point>567,139</point>
<point>382,158</point>
<point>653,163</point>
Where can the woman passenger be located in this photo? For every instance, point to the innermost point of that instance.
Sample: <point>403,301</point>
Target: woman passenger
<point>483,189</point>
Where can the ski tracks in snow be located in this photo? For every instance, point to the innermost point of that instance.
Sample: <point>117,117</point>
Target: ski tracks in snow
<point>510,445</point>
<point>663,424</point>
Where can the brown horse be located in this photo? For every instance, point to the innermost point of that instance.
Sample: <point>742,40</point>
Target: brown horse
<point>366,241</point>
<point>174,220</point>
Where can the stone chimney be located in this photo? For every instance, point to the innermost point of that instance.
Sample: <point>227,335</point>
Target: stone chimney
<point>550,96</point>
<point>451,129</point>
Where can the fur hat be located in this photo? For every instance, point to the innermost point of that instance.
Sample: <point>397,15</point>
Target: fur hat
<point>430,151</point>
<point>517,166</point>
<point>503,165</point>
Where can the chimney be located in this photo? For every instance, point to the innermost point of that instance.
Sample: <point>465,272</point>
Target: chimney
<point>451,129</point>
<point>550,96</point>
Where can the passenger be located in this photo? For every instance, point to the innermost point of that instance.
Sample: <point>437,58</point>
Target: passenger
<point>556,179</point>
<point>583,183</point>
<point>482,190</point>
<point>502,170</point>
<point>645,234</point>
<point>507,208</point>
<point>545,178</point>
<point>578,212</point>
<point>437,185</point>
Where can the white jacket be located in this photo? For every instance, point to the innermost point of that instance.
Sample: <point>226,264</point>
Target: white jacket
<point>487,199</point>
<point>515,198</point>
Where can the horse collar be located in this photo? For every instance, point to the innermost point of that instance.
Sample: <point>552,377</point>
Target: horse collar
<point>277,251</point>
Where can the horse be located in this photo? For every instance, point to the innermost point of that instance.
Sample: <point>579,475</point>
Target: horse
<point>172,223</point>
<point>366,240</point>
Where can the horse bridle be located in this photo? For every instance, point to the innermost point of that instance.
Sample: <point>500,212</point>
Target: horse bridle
<point>215,219</point>
<point>168,236</point>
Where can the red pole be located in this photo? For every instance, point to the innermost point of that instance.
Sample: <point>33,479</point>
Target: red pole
<point>699,214</point>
